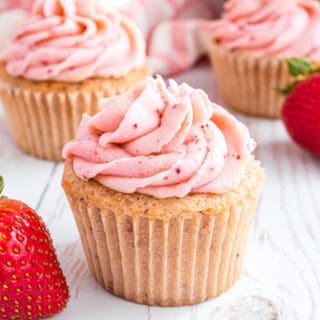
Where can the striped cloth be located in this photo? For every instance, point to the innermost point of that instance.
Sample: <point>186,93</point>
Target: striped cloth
<point>174,29</point>
<point>14,4</point>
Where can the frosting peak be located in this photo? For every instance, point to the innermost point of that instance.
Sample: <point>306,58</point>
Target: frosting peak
<point>161,141</point>
<point>281,28</point>
<point>73,40</point>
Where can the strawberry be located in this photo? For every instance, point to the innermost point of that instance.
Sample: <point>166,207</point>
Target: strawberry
<point>32,284</point>
<point>301,110</point>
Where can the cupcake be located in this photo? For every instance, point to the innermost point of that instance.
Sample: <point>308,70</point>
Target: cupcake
<point>60,62</point>
<point>250,43</point>
<point>163,187</point>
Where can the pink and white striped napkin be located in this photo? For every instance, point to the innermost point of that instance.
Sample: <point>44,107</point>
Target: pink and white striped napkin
<point>174,29</point>
<point>15,4</point>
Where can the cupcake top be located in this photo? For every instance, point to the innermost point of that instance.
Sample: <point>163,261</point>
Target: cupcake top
<point>161,141</point>
<point>73,40</point>
<point>282,28</point>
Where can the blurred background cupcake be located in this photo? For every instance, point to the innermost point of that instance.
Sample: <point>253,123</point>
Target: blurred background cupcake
<point>65,57</point>
<point>249,45</point>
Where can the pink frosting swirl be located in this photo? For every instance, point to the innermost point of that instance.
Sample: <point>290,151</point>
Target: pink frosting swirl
<point>281,28</point>
<point>161,141</point>
<point>73,40</point>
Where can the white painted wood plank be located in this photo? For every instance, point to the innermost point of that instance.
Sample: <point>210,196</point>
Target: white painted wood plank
<point>284,254</point>
<point>25,177</point>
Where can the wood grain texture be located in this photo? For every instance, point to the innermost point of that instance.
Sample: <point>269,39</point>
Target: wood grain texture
<point>281,277</point>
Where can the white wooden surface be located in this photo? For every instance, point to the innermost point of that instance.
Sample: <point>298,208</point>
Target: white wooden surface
<point>281,277</point>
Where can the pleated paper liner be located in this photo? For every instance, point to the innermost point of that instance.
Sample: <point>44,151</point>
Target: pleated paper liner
<point>167,252</point>
<point>248,83</point>
<point>43,116</point>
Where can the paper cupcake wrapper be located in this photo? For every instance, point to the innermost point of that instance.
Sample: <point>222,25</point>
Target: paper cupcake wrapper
<point>174,262</point>
<point>247,83</point>
<point>42,121</point>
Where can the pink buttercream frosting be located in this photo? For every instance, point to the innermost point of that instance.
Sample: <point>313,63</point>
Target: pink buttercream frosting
<point>161,141</point>
<point>73,40</point>
<point>281,28</point>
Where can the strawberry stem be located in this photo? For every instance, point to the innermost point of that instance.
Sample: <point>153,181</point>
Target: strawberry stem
<point>1,184</point>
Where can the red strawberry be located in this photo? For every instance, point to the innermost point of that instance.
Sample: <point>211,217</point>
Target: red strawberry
<point>32,284</point>
<point>301,110</point>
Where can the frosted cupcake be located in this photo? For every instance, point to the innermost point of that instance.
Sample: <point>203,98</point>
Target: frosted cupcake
<point>249,45</point>
<point>163,188</point>
<point>61,61</point>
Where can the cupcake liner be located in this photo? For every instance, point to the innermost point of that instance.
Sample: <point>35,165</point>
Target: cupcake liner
<point>43,117</point>
<point>168,260</point>
<point>248,83</point>
<point>42,123</point>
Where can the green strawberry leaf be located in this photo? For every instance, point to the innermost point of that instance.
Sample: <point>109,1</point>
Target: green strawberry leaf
<point>287,89</point>
<point>1,184</point>
<point>300,67</point>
